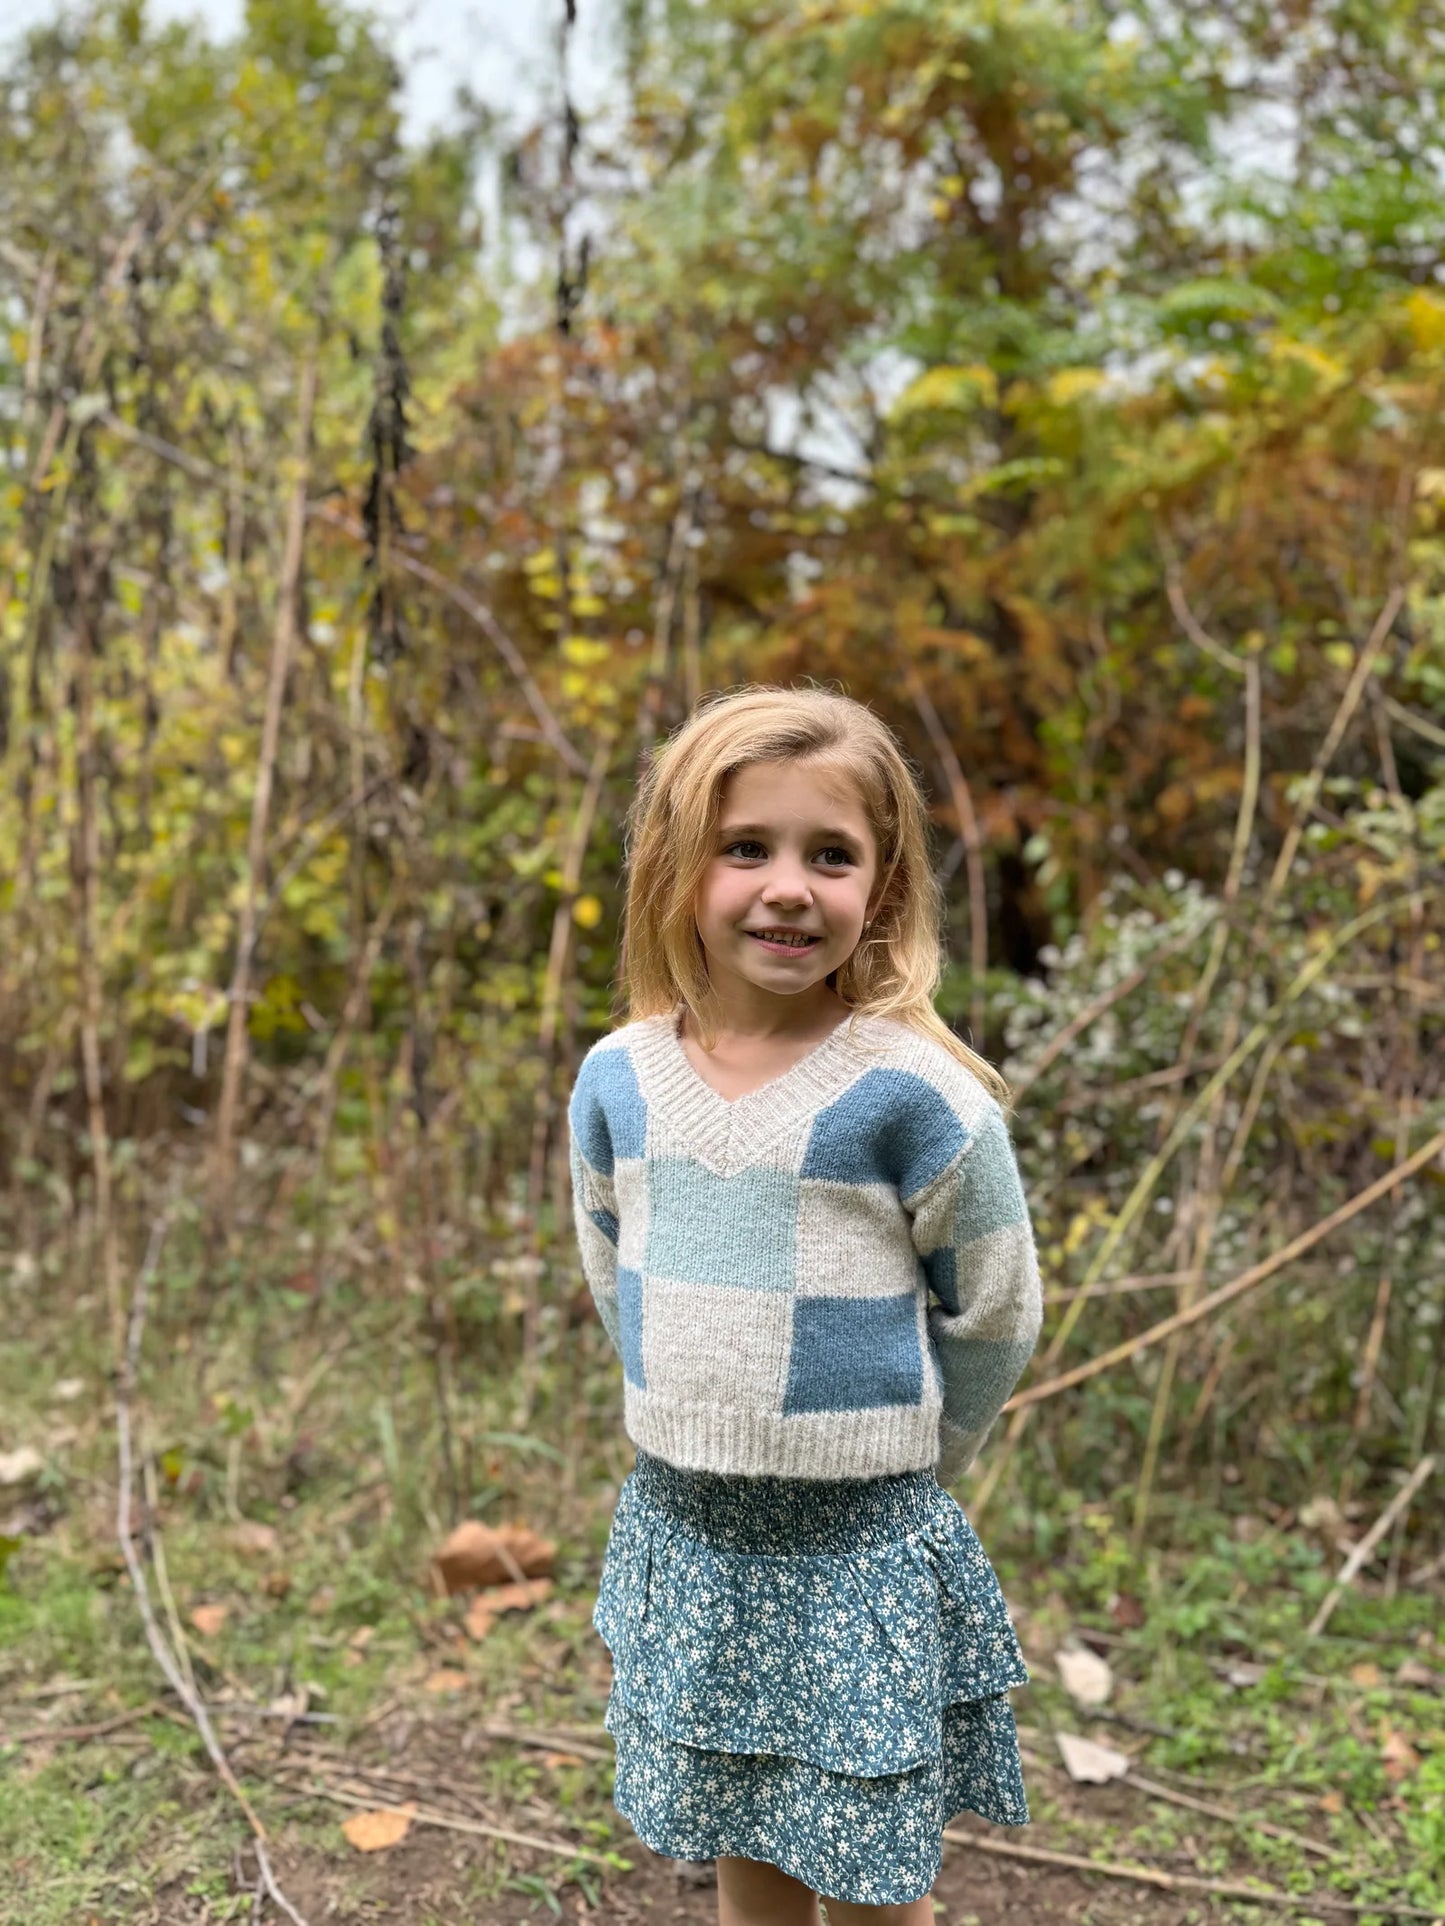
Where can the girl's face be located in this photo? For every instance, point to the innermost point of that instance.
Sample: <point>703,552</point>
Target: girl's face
<point>790,855</point>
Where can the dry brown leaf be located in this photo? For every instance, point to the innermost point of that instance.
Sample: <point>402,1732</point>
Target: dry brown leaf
<point>447,1680</point>
<point>253,1538</point>
<point>375,1831</point>
<point>515,1598</point>
<point>477,1554</point>
<point>1367,1675</point>
<point>1332,1801</point>
<point>561,1759</point>
<point>208,1619</point>
<point>1412,1672</point>
<point>276,1584</point>
<point>479,1621</point>
<point>361,1637</point>
<point>1398,1757</point>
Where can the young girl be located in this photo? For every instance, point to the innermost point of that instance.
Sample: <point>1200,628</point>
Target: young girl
<point>800,1217</point>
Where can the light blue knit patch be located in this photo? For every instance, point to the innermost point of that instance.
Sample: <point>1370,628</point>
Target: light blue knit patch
<point>978,1375</point>
<point>991,1195</point>
<point>851,1353</point>
<point>629,1305</point>
<point>890,1127</point>
<point>706,1229</point>
<point>607,1111</point>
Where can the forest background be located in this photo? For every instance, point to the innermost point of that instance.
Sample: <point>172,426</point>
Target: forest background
<point>1062,380</point>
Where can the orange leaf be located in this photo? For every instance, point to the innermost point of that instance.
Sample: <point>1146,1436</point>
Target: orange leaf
<point>208,1619</point>
<point>515,1598</point>
<point>478,1554</point>
<point>447,1680</point>
<point>1366,1675</point>
<point>561,1759</point>
<point>479,1621</point>
<point>375,1831</point>
<point>1332,1801</point>
<point>1397,1755</point>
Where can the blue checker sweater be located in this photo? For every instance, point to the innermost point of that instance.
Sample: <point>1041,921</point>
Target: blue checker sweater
<point>833,1276</point>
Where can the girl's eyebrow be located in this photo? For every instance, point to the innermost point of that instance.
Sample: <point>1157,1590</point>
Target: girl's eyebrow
<point>763,829</point>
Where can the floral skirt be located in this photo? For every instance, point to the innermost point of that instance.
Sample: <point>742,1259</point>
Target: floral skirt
<point>812,1673</point>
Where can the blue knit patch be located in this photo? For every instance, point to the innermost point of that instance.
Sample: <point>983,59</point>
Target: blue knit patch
<point>851,1353</point>
<point>890,1127</point>
<point>607,1112</point>
<point>607,1224</point>
<point>940,1267</point>
<point>706,1229</point>
<point>978,1375</point>
<point>629,1305</point>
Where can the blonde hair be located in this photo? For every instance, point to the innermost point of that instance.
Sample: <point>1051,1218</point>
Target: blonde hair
<point>895,969</point>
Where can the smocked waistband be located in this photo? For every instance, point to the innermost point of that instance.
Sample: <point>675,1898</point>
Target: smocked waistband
<point>773,1514</point>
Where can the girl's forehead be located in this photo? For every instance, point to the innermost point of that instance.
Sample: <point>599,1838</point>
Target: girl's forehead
<point>791,784</point>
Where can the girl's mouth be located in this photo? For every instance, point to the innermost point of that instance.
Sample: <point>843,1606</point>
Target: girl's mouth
<point>792,946</point>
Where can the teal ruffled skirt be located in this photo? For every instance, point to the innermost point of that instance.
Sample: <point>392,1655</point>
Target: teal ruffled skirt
<point>811,1673</point>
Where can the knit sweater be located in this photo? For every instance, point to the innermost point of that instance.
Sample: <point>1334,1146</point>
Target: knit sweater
<point>832,1276</point>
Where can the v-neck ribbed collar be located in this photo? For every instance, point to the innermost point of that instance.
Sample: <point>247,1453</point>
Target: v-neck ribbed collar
<point>729,1131</point>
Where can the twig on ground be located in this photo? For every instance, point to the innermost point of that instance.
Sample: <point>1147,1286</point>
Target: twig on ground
<point>37,1734</point>
<point>155,1638</point>
<point>1185,1882</point>
<point>1360,1556</point>
<point>424,1816</point>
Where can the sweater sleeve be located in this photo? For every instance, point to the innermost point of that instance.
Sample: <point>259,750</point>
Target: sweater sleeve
<point>970,1227</point>
<point>594,1212</point>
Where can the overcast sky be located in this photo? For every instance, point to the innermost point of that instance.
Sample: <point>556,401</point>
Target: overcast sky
<point>502,49</point>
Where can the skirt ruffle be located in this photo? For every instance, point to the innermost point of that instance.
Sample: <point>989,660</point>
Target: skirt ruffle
<point>811,1673</point>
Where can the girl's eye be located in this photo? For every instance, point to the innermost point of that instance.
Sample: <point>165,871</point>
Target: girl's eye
<point>833,849</point>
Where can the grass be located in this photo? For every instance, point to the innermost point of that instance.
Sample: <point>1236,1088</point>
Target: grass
<point>342,1465</point>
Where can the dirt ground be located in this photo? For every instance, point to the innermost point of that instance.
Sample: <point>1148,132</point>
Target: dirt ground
<point>423,1880</point>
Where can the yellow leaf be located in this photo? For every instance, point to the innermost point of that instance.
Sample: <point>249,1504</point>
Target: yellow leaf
<point>1072,384</point>
<point>971,387</point>
<point>1426,315</point>
<point>386,1826</point>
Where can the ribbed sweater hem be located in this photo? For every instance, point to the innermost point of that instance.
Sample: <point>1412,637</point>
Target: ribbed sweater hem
<point>804,1444</point>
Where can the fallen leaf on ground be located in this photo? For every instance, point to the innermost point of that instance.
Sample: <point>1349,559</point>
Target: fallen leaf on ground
<point>253,1538</point>
<point>446,1680</point>
<point>516,1598</point>
<point>561,1759</point>
<point>479,1621</point>
<point>1412,1672</point>
<point>1398,1757</point>
<point>276,1584</point>
<point>18,1465</point>
<point>290,1705</point>
<point>1332,1801</point>
<point>1087,1678</point>
<point>375,1831</point>
<point>208,1619</point>
<point>65,1389</point>
<point>1088,1762</point>
<point>1366,1675</point>
<point>477,1554</point>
